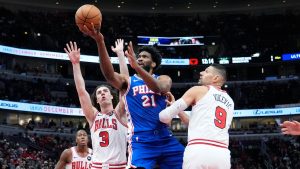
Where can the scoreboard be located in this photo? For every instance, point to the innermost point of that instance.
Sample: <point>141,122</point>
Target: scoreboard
<point>171,41</point>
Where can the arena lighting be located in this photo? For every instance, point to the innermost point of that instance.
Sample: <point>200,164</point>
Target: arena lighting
<point>256,55</point>
<point>84,58</point>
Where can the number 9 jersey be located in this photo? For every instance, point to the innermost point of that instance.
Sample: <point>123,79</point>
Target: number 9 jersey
<point>208,136</point>
<point>211,118</point>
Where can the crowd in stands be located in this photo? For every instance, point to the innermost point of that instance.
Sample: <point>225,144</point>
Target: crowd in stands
<point>32,152</point>
<point>247,95</point>
<point>238,34</point>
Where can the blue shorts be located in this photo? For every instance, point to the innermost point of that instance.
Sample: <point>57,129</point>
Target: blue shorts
<point>155,147</point>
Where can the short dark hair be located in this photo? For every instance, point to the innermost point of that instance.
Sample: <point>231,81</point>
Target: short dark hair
<point>155,54</point>
<point>94,98</point>
<point>221,70</point>
<point>80,130</point>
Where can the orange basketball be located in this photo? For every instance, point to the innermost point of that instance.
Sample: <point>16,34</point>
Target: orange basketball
<point>87,14</point>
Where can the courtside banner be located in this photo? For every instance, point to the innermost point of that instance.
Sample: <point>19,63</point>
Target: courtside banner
<point>83,58</point>
<point>38,108</point>
<point>29,107</point>
<point>267,112</point>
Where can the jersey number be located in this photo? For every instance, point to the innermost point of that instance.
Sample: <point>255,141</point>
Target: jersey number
<point>148,101</point>
<point>105,138</point>
<point>220,120</point>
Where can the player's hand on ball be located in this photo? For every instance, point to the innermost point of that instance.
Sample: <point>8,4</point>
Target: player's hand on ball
<point>131,56</point>
<point>93,33</point>
<point>73,52</point>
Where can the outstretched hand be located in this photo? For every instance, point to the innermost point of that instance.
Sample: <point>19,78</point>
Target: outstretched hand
<point>131,56</point>
<point>170,98</point>
<point>290,127</point>
<point>119,46</point>
<point>73,52</point>
<point>95,34</point>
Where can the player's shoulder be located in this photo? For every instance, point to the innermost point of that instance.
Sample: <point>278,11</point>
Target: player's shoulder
<point>67,154</point>
<point>200,88</point>
<point>162,76</point>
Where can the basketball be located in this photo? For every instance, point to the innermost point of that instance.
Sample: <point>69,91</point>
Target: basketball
<point>88,14</point>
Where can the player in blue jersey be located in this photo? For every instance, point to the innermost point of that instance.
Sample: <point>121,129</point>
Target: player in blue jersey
<point>151,141</point>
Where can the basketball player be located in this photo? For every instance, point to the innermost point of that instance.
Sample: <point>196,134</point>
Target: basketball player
<point>150,141</point>
<point>210,119</point>
<point>77,157</point>
<point>290,127</point>
<point>107,125</point>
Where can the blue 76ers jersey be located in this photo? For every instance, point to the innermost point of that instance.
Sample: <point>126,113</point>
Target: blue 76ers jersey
<point>143,105</point>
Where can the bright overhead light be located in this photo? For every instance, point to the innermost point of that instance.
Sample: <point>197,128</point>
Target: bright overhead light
<point>119,6</point>
<point>256,55</point>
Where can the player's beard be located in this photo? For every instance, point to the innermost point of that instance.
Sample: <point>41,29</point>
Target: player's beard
<point>147,68</point>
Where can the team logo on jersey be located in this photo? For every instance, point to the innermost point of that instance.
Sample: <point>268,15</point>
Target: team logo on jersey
<point>89,158</point>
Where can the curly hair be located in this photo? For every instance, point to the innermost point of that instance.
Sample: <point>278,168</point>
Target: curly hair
<point>155,54</point>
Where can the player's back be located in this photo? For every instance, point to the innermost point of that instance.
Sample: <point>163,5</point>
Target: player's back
<point>79,162</point>
<point>211,118</point>
<point>109,140</point>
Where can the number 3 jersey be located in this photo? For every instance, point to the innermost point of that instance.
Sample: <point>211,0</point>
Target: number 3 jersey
<point>109,140</point>
<point>211,118</point>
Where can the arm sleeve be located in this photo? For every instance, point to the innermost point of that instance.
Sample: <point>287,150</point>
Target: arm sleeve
<point>169,113</point>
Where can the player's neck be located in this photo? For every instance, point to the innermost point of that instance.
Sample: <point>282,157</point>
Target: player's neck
<point>150,72</point>
<point>81,149</point>
<point>106,109</point>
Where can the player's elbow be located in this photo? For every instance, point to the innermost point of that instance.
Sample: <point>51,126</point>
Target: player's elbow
<point>165,117</point>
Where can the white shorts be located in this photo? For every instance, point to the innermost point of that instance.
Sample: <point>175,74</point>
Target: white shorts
<point>199,156</point>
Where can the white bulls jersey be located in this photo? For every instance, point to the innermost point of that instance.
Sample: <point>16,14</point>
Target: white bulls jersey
<point>79,162</point>
<point>211,118</point>
<point>208,136</point>
<point>109,140</point>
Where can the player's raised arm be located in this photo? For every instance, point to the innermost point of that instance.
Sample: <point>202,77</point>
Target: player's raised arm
<point>84,97</point>
<point>119,50</point>
<point>114,78</point>
<point>163,84</point>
